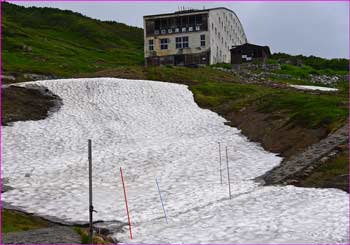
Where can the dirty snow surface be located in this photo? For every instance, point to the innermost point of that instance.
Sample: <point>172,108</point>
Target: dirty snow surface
<point>307,87</point>
<point>155,130</point>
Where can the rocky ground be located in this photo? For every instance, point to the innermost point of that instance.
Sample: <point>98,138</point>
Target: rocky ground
<point>295,169</point>
<point>51,235</point>
<point>263,73</point>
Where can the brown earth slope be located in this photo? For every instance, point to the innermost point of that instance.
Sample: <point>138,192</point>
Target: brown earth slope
<point>25,103</point>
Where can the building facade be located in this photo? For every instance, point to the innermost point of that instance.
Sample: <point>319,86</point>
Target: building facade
<point>192,37</point>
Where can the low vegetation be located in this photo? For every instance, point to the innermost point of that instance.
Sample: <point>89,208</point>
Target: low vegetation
<point>307,110</point>
<point>84,234</point>
<point>13,221</point>
<point>311,64</point>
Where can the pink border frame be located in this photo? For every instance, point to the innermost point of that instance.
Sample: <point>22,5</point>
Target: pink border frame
<point>166,1</point>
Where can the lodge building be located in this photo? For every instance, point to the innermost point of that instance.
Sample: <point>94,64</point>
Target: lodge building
<point>192,37</point>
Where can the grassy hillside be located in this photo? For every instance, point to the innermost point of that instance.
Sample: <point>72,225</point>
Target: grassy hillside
<point>64,43</point>
<point>313,64</point>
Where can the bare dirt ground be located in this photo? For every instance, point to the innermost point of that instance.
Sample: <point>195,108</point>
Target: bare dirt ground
<point>21,104</point>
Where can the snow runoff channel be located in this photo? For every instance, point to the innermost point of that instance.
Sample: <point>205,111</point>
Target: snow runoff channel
<point>156,130</point>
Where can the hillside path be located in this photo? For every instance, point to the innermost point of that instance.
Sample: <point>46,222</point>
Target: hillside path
<point>51,235</point>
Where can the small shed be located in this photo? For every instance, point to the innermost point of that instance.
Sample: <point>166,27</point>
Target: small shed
<point>249,52</point>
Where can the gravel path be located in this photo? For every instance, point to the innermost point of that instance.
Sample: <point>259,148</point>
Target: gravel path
<point>52,235</point>
<point>308,158</point>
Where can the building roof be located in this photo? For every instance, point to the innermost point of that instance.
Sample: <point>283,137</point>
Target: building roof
<point>188,12</point>
<point>239,47</point>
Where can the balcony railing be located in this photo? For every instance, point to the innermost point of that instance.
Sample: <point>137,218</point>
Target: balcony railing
<point>177,30</point>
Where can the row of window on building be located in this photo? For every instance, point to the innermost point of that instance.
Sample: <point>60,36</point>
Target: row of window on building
<point>177,30</point>
<point>181,42</point>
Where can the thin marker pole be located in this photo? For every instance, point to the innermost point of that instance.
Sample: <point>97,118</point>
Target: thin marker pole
<point>228,174</point>
<point>126,202</point>
<point>91,208</point>
<point>161,200</point>
<point>220,163</point>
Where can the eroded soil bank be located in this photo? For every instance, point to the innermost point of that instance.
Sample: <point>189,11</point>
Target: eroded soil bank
<point>274,131</point>
<point>27,103</point>
<point>277,133</point>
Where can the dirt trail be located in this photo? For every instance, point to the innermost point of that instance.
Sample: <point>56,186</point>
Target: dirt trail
<point>52,235</point>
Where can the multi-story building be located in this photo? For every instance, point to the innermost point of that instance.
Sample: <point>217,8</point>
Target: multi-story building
<point>192,37</point>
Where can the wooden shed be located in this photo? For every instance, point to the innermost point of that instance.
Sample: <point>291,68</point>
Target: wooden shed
<point>249,52</point>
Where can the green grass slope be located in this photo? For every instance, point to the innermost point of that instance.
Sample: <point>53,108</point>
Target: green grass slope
<point>64,43</point>
<point>13,221</point>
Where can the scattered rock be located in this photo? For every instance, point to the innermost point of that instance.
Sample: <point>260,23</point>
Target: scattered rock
<point>51,235</point>
<point>324,79</point>
<point>8,77</point>
<point>27,48</point>
<point>35,77</point>
<point>5,188</point>
<point>303,163</point>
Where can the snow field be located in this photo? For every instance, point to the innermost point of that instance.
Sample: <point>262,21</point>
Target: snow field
<point>155,130</point>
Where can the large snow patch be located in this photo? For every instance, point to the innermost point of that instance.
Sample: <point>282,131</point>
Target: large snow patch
<point>155,130</point>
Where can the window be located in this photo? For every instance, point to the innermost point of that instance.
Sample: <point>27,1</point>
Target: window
<point>164,43</point>
<point>178,41</point>
<point>170,30</point>
<point>202,40</point>
<point>181,42</point>
<point>190,28</point>
<point>183,29</point>
<point>156,32</point>
<point>151,45</point>
<point>185,42</point>
<point>198,28</point>
<point>163,31</point>
<point>177,30</point>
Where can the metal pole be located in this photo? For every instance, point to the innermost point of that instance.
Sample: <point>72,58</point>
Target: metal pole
<point>126,202</point>
<point>228,174</point>
<point>161,200</point>
<point>220,163</point>
<point>91,208</point>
